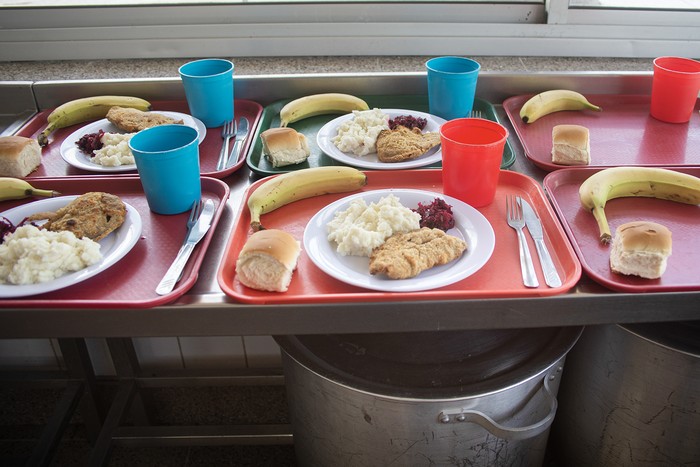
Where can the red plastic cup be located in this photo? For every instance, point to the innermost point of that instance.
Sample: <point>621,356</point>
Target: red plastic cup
<point>674,89</point>
<point>472,150</point>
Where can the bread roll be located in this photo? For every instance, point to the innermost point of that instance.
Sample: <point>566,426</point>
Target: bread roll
<point>267,260</point>
<point>641,249</point>
<point>284,146</point>
<point>571,145</point>
<point>19,156</point>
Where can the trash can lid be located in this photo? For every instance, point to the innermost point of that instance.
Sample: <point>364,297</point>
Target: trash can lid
<point>432,364</point>
<point>681,336</point>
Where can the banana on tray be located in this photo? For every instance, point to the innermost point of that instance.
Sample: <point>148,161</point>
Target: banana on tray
<point>649,182</point>
<point>300,184</point>
<point>320,104</point>
<point>85,109</point>
<point>16,188</point>
<point>556,100</point>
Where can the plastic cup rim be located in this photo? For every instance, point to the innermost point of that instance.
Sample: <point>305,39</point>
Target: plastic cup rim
<point>454,57</point>
<point>160,128</point>
<point>229,69</point>
<point>490,123</point>
<point>671,70</point>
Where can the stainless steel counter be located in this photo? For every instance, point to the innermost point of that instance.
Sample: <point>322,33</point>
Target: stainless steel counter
<point>206,311</point>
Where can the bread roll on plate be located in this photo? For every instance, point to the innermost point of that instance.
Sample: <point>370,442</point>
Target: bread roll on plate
<point>641,248</point>
<point>571,145</point>
<point>19,156</point>
<point>284,146</point>
<point>267,260</point>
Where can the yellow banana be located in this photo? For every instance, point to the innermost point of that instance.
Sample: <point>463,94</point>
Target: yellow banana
<point>650,182</point>
<point>16,188</point>
<point>554,101</point>
<point>87,108</point>
<point>320,104</point>
<point>300,184</point>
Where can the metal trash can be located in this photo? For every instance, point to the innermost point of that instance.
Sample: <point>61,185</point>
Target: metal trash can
<point>631,397</point>
<point>478,398</point>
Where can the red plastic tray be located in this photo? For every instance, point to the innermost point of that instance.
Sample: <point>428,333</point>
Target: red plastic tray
<point>683,271</point>
<point>622,134</point>
<point>53,164</point>
<point>500,277</point>
<point>130,283</point>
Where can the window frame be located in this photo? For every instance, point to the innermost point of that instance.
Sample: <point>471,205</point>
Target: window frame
<point>536,28</point>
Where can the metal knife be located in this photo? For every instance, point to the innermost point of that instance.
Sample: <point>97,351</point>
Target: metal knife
<point>241,135</point>
<point>534,226</point>
<point>198,232</point>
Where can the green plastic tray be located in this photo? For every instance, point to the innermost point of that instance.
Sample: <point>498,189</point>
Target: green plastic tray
<point>270,118</point>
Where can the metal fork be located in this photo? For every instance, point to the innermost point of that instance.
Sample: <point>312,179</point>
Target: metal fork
<point>227,132</point>
<point>514,215</point>
<point>194,215</point>
<point>191,221</point>
<point>475,114</point>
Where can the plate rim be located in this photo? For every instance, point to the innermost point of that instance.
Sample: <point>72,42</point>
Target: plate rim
<point>326,145</point>
<point>131,237</point>
<point>70,153</point>
<point>486,243</point>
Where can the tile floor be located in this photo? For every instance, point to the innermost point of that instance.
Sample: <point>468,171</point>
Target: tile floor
<point>23,413</point>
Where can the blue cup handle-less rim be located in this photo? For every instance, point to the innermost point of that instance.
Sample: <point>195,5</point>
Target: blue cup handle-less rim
<point>142,141</point>
<point>451,66</point>
<point>206,68</point>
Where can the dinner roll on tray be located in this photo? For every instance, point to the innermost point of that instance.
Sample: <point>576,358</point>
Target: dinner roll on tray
<point>641,248</point>
<point>19,156</point>
<point>284,146</point>
<point>267,260</point>
<point>571,145</point>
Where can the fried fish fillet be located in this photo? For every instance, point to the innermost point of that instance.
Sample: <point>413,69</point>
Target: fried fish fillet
<point>403,144</point>
<point>94,215</point>
<point>405,255</point>
<point>133,120</point>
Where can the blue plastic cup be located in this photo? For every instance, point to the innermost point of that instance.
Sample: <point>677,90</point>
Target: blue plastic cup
<point>209,90</point>
<point>167,159</point>
<point>451,86</point>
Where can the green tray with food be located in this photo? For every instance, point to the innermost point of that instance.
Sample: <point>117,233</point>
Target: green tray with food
<point>309,141</point>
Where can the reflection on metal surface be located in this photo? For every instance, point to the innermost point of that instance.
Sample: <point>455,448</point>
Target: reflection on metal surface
<point>18,106</point>
<point>10,123</point>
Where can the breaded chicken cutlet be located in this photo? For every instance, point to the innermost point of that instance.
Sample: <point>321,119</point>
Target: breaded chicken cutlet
<point>406,255</point>
<point>404,144</point>
<point>133,120</point>
<point>93,215</point>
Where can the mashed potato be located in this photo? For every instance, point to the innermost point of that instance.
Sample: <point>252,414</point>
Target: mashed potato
<point>361,228</point>
<point>115,151</point>
<point>359,134</point>
<point>30,255</point>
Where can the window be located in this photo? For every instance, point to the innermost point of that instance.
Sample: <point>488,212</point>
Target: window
<point>637,4</point>
<point>52,29</point>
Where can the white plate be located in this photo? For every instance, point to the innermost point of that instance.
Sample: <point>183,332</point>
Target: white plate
<point>113,247</point>
<point>470,225</point>
<point>371,161</point>
<point>75,157</point>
